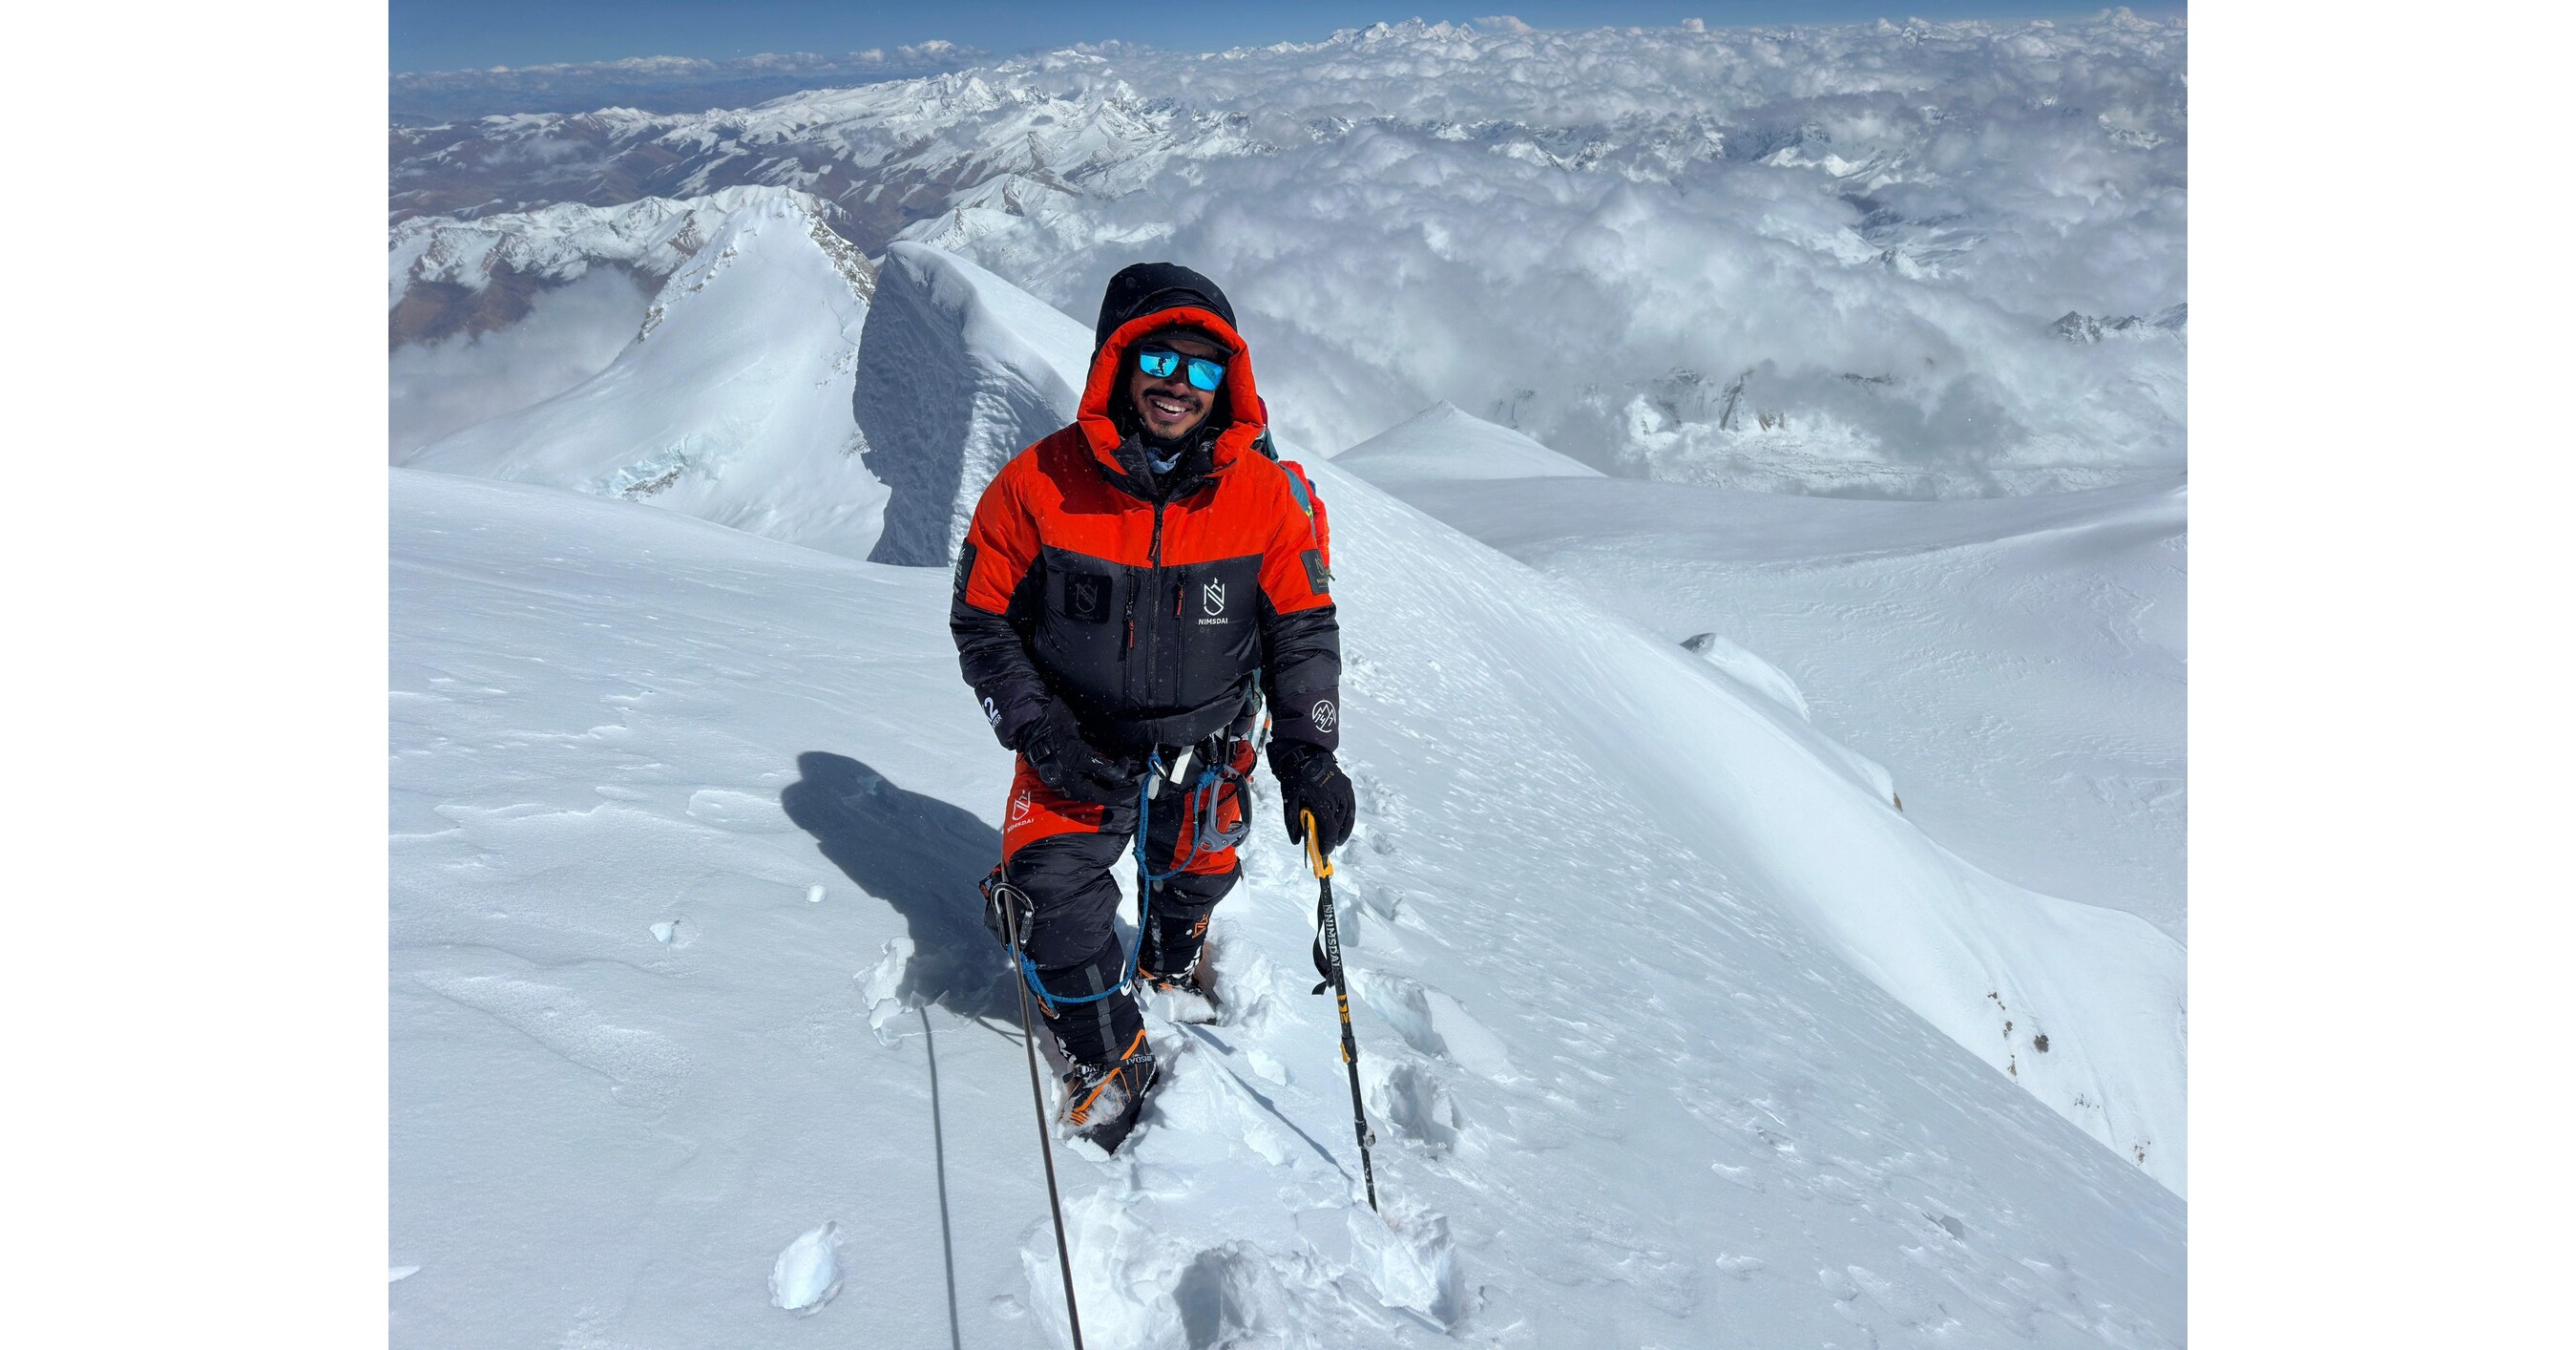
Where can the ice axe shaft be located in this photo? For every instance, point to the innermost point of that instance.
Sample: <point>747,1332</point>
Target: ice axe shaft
<point>1329,962</point>
<point>1013,916</point>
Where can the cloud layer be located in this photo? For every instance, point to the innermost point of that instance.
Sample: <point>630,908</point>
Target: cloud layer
<point>1865,259</point>
<point>1826,259</point>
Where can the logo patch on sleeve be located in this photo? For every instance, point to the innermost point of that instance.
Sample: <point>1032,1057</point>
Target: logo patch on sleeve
<point>1318,576</point>
<point>965,567</point>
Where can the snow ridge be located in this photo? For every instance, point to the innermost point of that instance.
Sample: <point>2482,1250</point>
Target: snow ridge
<point>955,391</point>
<point>560,243</point>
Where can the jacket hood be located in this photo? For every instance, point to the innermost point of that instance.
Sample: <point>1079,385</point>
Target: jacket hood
<point>1147,298</point>
<point>1144,288</point>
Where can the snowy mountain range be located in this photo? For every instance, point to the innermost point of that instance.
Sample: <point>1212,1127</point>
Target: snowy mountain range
<point>1823,259</point>
<point>664,83</point>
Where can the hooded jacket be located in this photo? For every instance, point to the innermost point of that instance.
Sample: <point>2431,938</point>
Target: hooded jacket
<point>1148,603</point>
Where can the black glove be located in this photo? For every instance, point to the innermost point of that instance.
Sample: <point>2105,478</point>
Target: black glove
<point>1309,780</point>
<point>1054,747</point>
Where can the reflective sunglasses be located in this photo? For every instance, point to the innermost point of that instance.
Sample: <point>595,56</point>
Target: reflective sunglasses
<point>1160,362</point>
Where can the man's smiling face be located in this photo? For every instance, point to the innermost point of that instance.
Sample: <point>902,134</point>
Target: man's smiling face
<point>1171,407</point>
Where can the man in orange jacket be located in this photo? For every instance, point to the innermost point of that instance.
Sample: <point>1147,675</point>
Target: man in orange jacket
<point>1124,584</point>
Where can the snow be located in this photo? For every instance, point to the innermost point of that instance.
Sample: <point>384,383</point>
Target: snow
<point>955,392</point>
<point>563,242</point>
<point>1672,1030</point>
<point>2017,665</point>
<point>1747,669</point>
<point>732,402</point>
<point>808,1273</point>
<point>570,333</point>
<point>1446,444</point>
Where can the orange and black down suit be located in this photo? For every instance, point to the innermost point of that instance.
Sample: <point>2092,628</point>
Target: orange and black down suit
<point>1148,604</point>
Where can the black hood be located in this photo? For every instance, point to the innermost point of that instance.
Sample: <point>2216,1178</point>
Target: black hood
<point>1144,288</point>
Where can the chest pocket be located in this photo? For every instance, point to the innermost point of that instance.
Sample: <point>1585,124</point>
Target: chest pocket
<point>1080,641</point>
<point>1084,597</point>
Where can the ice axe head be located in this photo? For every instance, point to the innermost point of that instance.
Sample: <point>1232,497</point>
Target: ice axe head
<point>1315,856</point>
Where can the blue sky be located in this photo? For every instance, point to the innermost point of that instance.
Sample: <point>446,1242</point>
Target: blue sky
<point>457,34</point>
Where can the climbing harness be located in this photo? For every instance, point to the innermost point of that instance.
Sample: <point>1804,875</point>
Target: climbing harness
<point>1203,812</point>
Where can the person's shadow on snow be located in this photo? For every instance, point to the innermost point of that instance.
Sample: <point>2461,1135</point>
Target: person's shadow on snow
<point>924,857</point>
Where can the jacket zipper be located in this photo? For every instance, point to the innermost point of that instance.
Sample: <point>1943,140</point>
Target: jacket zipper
<point>1154,566</point>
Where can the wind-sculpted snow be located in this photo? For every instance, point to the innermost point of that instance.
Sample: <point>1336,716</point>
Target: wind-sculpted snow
<point>732,401</point>
<point>2017,664</point>
<point>1823,259</point>
<point>954,392</point>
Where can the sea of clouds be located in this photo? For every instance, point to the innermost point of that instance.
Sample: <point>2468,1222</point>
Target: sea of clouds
<point>1903,260</point>
<point>1822,259</point>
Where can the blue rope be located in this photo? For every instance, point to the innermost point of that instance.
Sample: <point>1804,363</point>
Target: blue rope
<point>1145,879</point>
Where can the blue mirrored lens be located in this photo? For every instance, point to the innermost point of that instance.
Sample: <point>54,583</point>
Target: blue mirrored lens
<point>1159,363</point>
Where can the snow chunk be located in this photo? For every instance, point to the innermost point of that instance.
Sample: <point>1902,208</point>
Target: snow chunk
<point>881,985</point>
<point>808,1273</point>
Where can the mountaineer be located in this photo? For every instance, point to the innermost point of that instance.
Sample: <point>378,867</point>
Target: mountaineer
<point>1130,591</point>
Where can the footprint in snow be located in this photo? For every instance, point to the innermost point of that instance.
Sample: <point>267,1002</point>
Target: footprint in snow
<point>1412,1099</point>
<point>1410,1259</point>
<point>1432,1023</point>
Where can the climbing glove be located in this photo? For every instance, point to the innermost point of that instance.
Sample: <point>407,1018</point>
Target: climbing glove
<point>1309,780</point>
<point>1064,761</point>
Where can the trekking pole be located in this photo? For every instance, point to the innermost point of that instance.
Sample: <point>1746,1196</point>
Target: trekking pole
<point>1328,962</point>
<point>1012,914</point>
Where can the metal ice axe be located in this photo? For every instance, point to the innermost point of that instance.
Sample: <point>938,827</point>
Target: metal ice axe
<point>1328,963</point>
